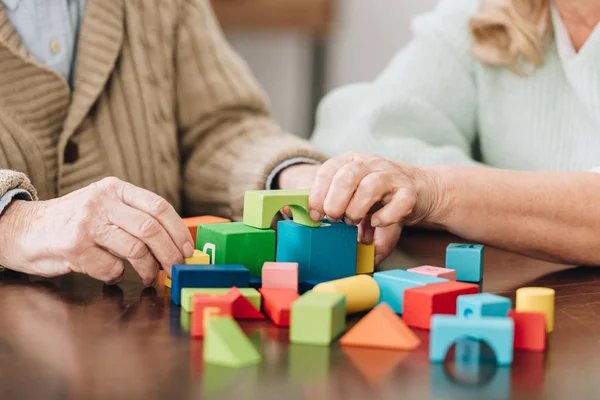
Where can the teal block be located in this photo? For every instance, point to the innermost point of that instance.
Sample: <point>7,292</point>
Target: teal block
<point>393,283</point>
<point>448,329</point>
<point>467,260</point>
<point>482,305</point>
<point>260,206</point>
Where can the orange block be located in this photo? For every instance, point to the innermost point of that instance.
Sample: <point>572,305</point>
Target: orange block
<point>277,304</point>
<point>193,222</point>
<point>381,328</point>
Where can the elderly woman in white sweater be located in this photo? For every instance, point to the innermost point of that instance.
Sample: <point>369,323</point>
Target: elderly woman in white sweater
<point>513,84</point>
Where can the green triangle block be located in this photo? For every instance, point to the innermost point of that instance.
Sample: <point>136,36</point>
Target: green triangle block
<point>226,344</point>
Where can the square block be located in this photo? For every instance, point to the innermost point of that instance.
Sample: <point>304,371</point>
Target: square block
<point>420,303</point>
<point>188,293</point>
<point>393,283</point>
<point>193,222</point>
<point>365,258</point>
<point>198,258</point>
<point>482,305</point>
<point>206,276</point>
<point>438,272</point>
<point>280,275</point>
<point>208,306</point>
<point>318,318</point>
<point>236,243</point>
<point>324,253</point>
<point>466,260</point>
<point>530,330</point>
<point>260,206</point>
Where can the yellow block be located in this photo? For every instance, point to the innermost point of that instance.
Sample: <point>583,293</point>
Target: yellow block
<point>197,258</point>
<point>365,258</point>
<point>167,281</point>
<point>537,299</point>
<point>361,291</point>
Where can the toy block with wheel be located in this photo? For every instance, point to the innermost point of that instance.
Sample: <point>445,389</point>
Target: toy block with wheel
<point>365,258</point>
<point>208,306</point>
<point>537,299</point>
<point>226,344</point>
<point>392,284</point>
<point>317,318</point>
<point>206,276</point>
<point>530,330</point>
<point>466,260</point>
<point>236,243</point>
<point>260,206</point>
<point>482,305</point>
<point>497,332</point>
<point>193,222</point>
<point>187,293</point>
<point>421,302</point>
<point>381,328</point>
<point>280,275</point>
<point>324,253</point>
<point>438,272</point>
<point>277,304</point>
<point>361,292</point>
<point>241,307</point>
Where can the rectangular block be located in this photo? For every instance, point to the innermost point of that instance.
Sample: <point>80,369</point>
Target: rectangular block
<point>260,206</point>
<point>324,253</point>
<point>187,293</point>
<point>317,318</point>
<point>198,258</point>
<point>236,243</point>
<point>438,272</point>
<point>530,330</point>
<point>365,258</point>
<point>208,306</point>
<point>482,305</point>
<point>466,260</point>
<point>277,304</point>
<point>392,284</point>
<point>280,275</point>
<point>193,222</point>
<point>206,276</point>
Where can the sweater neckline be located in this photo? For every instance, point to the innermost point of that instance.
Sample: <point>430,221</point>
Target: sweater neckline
<point>566,50</point>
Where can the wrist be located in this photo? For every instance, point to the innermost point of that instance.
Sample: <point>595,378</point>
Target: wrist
<point>12,220</point>
<point>434,190</point>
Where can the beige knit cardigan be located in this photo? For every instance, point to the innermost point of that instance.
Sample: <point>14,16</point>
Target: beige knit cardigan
<point>159,100</point>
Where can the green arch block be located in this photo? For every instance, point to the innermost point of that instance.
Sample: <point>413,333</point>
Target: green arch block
<point>260,206</point>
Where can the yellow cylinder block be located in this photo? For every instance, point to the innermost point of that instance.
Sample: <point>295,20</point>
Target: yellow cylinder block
<point>361,291</point>
<point>537,299</point>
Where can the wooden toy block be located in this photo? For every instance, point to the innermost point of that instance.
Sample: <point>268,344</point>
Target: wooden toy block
<point>226,344</point>
<point>236,243</point>
<point>537,299</point>
<point>255,282</point>
<point>381,328</point>
<point>438,272</point>
<point>530,330</point>
<point>198,258</point>
<point>365,258</point>
<point>421,302</point>
<point>208,306</point>
<point>305,286</point>
<point>482,305</point>
<point>206,276</point>
<point>280,275</point>
<point>168,282</point>
<point>317,318</point>
<point>392,284</point>
<point>496,332</point>
<point>193,222</point>
<point>277,304</point>
<point>466,260</point>
<point>260,206</point>
<point>242,308</point>
<point>361,292</point>
<point>324,253</point>
<point>187,293</point>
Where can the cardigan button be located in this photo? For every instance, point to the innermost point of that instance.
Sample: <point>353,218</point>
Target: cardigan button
<point>71,153</point>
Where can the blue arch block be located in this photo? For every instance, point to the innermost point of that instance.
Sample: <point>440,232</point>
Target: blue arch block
<point>496,332</point>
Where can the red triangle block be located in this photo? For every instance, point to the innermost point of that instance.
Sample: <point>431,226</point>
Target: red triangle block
<point>277,304</point>
<point>242,308</point>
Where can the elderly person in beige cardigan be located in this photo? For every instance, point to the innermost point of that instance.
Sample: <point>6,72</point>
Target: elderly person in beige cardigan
<point>116,120</point>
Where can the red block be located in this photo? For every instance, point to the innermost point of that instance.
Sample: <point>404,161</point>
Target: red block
<point>207,306</point>
<point>530,330</point>
<point>242,308</point>
<point>421,302</point>
<point>277,304</point>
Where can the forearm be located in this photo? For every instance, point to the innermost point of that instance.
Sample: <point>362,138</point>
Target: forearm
<point>548,215</point>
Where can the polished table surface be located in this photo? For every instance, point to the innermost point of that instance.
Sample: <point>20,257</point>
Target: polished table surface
<point>73,338</point>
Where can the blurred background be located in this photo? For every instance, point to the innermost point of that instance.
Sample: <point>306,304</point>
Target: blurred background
<point>300,49</point>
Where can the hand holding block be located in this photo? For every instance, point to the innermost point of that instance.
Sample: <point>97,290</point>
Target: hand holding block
<point>206,276</point>
<point>365,258</point>
<point>392,284</point>
<point>482,305</point>
<point>193,222</point>
<point>438,272</point>
<point>208,306</point>
<point>277,304</point>
<point>226,344</point>
<point>420,303</point>
<point>361,292</point>
<point>260,206</point>
<point>530,330</point>
<point>466,260</point>
<point>187,294</point>
<point>280,275</point>
<point>537,299</point>
<point>317,318</point>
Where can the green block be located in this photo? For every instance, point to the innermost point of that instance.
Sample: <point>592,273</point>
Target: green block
<point>309,363</point>
<point>260,206</point>
<point>318,318</point>
<point>226,344</point>
<point>184,321</point>
<point>236,243</point>
<point>187,293</point>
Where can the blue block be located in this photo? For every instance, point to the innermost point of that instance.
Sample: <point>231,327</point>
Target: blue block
<point>305,286</point>
<point>482,305</point>
<point>393,283</point>
<point>467,260</point>
<point>324,253</point>
<point>447,329</point>
<point>255,282</point>
<point>207,276</point>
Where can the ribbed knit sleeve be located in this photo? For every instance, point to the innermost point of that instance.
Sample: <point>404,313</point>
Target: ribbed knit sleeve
<point>15,180</point>
<point>422,108</point>
<point>228,140</point>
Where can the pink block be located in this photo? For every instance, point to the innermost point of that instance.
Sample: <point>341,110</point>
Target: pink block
<point>280,275</point>
<point>435,271</point>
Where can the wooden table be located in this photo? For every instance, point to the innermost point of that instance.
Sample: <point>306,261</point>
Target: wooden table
<point>74,338</point>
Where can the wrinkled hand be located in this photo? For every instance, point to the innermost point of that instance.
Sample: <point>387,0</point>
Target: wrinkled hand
<point>92,231</point>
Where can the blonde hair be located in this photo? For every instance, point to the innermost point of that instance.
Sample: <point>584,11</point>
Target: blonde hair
<point>512,33</point>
